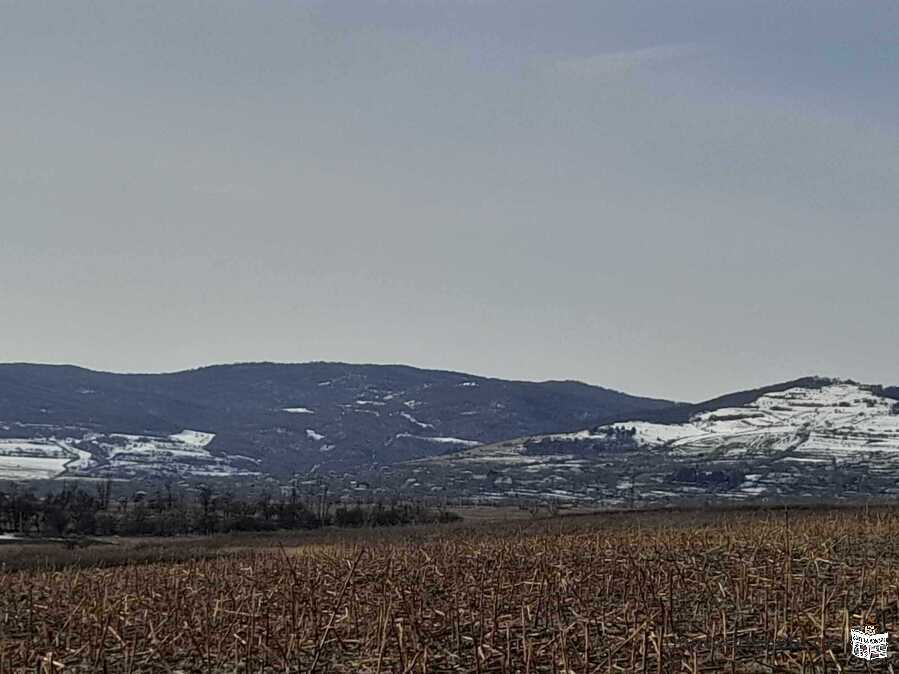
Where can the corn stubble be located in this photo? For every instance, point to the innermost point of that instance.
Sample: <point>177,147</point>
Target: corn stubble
<point>767,592</point>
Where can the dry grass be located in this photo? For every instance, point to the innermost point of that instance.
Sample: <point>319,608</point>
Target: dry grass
<point>734,592</point>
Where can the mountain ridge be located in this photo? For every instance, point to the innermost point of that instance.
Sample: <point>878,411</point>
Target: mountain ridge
<point>278,418</point>
<point>266,363</point>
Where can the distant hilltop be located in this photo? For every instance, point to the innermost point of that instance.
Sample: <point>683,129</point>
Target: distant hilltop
<point>270,419</point>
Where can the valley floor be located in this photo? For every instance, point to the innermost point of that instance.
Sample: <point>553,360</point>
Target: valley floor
<point>665,591</point>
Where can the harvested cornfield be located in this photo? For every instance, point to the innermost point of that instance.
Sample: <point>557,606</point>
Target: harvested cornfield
<point>742,592</point>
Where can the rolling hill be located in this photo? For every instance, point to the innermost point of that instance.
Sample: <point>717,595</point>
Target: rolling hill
<point>271,419</point>
<point>812,438</point>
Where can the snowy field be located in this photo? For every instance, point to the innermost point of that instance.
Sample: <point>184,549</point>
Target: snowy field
<point>31,467</point>
<point>99,454</point>
<point>833,438</point>
<point>39,458</point>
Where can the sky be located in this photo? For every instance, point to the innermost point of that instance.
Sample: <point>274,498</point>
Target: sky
<point>676,199</point>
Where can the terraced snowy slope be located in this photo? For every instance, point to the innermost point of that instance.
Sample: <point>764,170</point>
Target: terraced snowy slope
<point>816,424</point>
<point>813,438</point>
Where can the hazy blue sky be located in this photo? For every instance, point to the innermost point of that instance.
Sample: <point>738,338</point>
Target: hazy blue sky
<point>673,198</point>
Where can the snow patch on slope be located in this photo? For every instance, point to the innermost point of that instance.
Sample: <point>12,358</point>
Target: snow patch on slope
<point>193,438</point>
<point>412,420</point>
<point>449,441</point>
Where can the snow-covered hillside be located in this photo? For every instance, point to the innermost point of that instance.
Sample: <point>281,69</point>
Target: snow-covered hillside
<point>811,438</point>
<point>46,456</point>
<point>818,424</point>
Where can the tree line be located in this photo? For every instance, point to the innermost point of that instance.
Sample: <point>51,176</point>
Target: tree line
<point>74,511</point>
